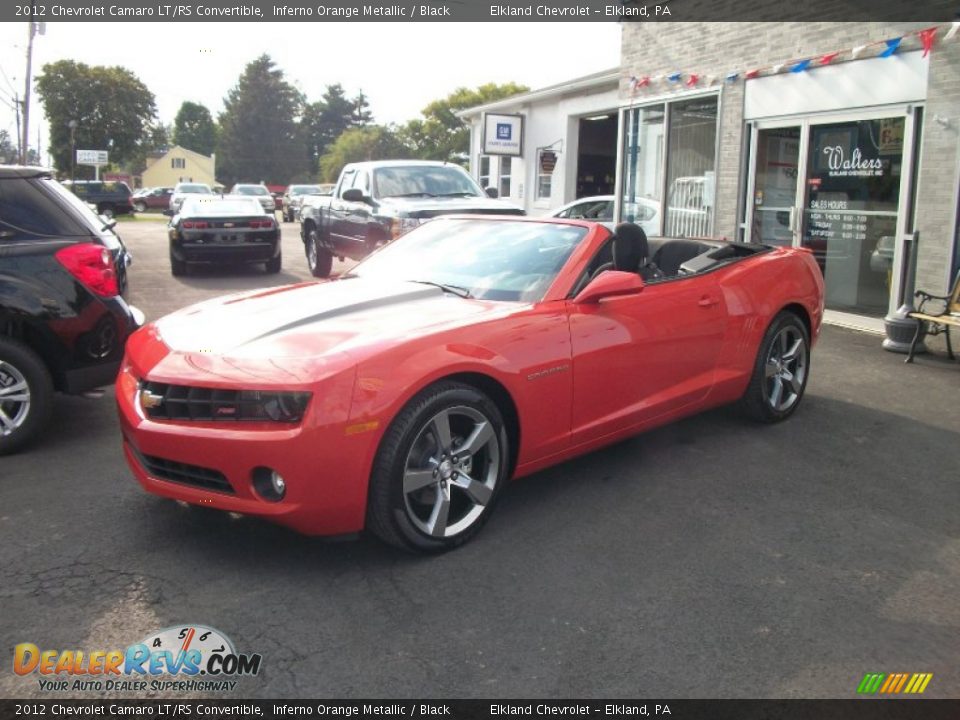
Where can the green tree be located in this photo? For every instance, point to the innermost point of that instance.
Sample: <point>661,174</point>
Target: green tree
<point>324,121</point>
<point>361,115</point>
<point>112,108</point>
<point>259,136</point>
<point>157,140</point>
<point>440,134</point>
<point>194,129</point>
<point>373,142</point>
<point>8,151</point>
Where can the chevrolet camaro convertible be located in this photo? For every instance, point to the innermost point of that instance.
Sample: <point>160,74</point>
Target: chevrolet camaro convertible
<point>402,396</point>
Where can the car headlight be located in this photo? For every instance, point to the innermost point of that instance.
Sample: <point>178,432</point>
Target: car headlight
<point>285,407</point>
<point>402,225</point>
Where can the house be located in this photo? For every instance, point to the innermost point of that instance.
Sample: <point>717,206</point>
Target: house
<point>179,165</point>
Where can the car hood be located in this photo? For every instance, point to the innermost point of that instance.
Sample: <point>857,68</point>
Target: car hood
<point>312,320</point>
<point>427,207</point>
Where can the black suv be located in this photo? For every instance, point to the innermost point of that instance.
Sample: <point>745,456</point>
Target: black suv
<point>111,197</point>
<point>63,322</point>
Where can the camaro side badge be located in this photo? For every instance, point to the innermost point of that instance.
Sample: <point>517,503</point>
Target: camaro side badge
<point>548,371</point>
<point>149,400</point>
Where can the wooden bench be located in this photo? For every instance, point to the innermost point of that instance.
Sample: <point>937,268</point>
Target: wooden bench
<point>936,323</point>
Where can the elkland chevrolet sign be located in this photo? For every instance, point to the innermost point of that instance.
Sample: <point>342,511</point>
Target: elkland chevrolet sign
<point>502,134</point>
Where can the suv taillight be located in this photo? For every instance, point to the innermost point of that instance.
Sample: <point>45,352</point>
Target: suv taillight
<point>91,265</point>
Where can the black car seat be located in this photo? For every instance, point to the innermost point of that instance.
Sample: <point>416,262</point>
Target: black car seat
<point>674,253</point>
<point>631,252</point>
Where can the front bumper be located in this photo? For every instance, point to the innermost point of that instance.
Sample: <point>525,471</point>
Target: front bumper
<point>326,468</point>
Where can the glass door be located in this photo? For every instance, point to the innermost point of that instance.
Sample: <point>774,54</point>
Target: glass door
<point>776,169</point>
<point>838,186</point>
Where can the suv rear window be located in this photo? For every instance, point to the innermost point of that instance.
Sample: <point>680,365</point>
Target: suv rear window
<point>27,209</point>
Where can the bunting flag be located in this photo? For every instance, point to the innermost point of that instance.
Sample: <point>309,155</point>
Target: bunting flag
<point>893,44</point>
<point>926,38</point>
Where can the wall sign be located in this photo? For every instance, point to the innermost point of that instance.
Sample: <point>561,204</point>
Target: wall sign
<point>548,161</point>
<point>502,134</point>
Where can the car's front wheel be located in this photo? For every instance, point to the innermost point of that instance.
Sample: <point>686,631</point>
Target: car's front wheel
<point>140,206</point>
<point>780,370</point>
<point>319,259</point>
<point>26,395</point>
<point>439,469</point>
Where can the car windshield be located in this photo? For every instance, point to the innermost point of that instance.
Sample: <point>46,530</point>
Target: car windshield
<point>250,190</point>
<point>194,189</point>
<point>424,181</point>
<point>489,259</point>
<point>209,207</point>
<point>304,189</point>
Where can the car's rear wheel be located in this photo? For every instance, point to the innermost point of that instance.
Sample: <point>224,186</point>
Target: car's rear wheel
<point>273,265</point>
<point>177,267</point>
<point>319,259</point>
<point>439,469</point>
<point>140,206</point>
<point>780,371</point>
<point>106,210</point>
<point>26,395</point>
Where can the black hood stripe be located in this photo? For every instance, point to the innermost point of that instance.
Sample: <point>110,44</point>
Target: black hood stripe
<point>386,301</point>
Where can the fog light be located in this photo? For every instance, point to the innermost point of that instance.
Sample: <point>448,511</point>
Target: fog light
<point>269,484</point>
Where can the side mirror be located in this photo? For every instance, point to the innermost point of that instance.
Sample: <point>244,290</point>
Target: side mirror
<point>610,283</point>
<point>492,192</point>
<point>352,195</point>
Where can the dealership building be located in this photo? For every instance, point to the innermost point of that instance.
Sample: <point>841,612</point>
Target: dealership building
<point>840,137</point>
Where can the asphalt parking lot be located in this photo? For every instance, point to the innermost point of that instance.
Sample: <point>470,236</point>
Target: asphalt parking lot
<point>710,558</point>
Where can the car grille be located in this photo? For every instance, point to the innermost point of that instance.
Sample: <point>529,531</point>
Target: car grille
<point>162,401</point>
<point>184,473</point>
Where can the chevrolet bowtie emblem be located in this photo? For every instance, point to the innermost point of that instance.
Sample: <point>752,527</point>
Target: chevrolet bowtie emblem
<point>150,400</point>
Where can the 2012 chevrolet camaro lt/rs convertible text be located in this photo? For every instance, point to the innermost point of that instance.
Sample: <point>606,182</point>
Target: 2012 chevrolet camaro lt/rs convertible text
<point>401,397</point>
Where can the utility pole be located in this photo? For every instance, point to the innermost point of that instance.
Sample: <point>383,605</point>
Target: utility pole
<point>32,29</point>
<point>16,111</point>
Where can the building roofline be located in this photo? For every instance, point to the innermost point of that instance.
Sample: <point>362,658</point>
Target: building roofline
<point>581,83</point>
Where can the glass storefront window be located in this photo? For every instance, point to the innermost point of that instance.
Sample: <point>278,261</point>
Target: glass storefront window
<point>691,177</point>
<point>640,199</point>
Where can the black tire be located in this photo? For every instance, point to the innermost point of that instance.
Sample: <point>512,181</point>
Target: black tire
<point>21,420</point>
<point>403,517</point>
<point>140,206</point>
<point>273,265</point>
<point>780,371</point>
<point>319,259</point>
<point>177,267</point>
<point>107,210</point>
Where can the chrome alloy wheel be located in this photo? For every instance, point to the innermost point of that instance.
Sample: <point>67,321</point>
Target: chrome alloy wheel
<point>451,471</point>
<point>312,250</point>
<point>785,369</point>
<point>14,398</point>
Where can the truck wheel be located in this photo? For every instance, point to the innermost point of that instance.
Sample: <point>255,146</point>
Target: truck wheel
<point>319,258</point>
<point>26,395</point>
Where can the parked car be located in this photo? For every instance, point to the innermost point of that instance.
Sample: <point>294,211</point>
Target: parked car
<point>109,196</point>
<point>376,202</point>
<point>63,322</point>
<point>402,397</point>
<point>293,197</point>
<point>184,190</point>
<point>229,228</point>
<point>152,199</point>
<point>260,192</point>
<point>643,211</point>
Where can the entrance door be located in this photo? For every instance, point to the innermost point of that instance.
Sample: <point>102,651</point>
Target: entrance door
<point>839,186</point>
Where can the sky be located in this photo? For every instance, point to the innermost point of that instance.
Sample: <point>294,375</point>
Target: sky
<point>400,67</point>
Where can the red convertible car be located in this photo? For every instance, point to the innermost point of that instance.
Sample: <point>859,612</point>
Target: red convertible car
<point>400,398</point>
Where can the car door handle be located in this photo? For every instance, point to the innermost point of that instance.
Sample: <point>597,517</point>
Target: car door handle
<point>707,301</point>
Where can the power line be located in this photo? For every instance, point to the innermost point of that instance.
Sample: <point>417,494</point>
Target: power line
<point>7,80</point>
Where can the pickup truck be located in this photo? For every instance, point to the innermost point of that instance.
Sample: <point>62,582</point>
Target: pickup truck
<point>376,202</point>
